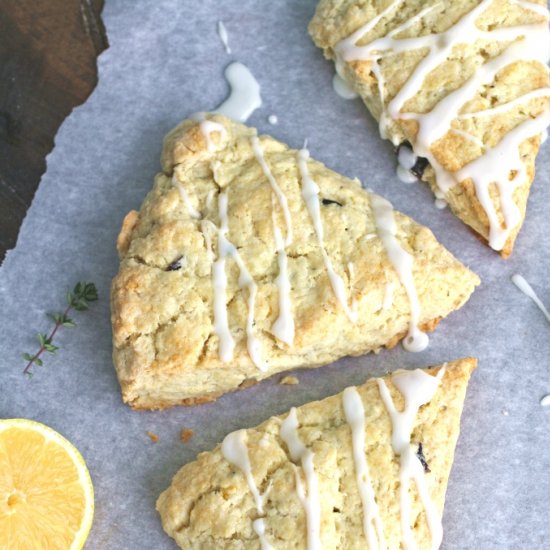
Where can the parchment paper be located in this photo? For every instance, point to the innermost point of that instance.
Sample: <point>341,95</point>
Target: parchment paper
<point>166,61</point>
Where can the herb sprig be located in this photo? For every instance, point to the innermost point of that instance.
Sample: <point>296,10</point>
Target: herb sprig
<point>79,300</point>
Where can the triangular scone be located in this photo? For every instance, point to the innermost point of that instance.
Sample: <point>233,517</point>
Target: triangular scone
<point>345,472</point>
<point>465,83</point>
<point>225,280</point>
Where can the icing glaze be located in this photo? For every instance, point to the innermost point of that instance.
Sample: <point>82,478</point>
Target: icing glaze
<point>208,127</point>
<point>355,417</point>
<point>310,194</point>
<point>281,197</point>
<point>545,400</point>
<point>310,501</point>
<point>402,261</point>
<point>526,288</point>
<point>283,327</point>
<point>235,450</point>
<point>222,33</point>
<point>417,389</point>
<point>244,98</point>
<point>219,283</point>
<point>193,212</point>
<point>272,119</point>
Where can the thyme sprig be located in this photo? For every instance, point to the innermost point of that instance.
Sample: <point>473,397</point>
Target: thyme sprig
<point>79,300</point>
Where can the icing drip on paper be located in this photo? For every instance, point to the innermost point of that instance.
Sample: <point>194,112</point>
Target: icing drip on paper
<point>300,453</point>
<point>528,43</point>
<point>222,33</point>
<point>244,98</point>
<point>310,194</point>
<point>402,261</point>
<point>272,119</point>
<point>526,288</point>
<point>417,389</point>
<point>235,451</point>
<point>355,417</point>
<point>281,197</point>
<point>219,281</point>
<point>283,327</point>
<point>193,212</point>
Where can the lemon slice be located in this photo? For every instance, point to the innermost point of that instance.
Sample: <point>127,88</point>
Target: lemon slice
<point>46,493</point>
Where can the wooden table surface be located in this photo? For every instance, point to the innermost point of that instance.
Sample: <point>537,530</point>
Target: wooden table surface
<point>48,54</point>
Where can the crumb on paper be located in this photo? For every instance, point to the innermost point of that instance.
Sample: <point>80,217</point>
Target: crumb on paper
<point>186,434</point>
<point>153,437</point>
<point>289,381</point>
<point>545,400</point>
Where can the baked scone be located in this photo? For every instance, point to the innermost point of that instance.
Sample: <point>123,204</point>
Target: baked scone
<point>367,468</point>
<point>248,259</point>
<point>464,83</point>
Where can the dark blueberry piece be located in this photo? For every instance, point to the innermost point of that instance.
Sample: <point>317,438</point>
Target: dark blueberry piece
<point>175,265</point>
<point>420,164</point>
<point>420,456</point>
<point>327,202</point>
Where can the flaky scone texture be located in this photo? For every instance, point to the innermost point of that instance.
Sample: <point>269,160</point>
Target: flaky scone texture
<point>469,137</point>
<point>209,503</point>
<point>166,348</point>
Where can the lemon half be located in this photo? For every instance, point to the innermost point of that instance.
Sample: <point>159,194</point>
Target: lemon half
<point>46,493</point>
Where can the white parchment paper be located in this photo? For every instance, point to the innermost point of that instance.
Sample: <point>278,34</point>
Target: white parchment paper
<point>166,61</point>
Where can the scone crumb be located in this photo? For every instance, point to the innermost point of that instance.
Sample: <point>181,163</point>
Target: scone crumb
<point>289,381</point>
<point>186,434</point>
<point>153,437</point>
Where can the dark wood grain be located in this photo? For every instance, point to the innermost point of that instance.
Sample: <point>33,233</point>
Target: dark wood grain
<point>48,65</point>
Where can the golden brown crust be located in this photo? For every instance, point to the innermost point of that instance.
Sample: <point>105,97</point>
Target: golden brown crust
<point>165,345</point>
<point>125,236</point>
<point>335,20</point>
<point>212,483</point>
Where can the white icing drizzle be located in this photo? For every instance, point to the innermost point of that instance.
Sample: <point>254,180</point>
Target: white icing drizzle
<point>300,453</point>
<point>528,43</point>
<point>245,97</point>
<point>310,194</point>
<point>440,204</point>
<point>417,388</point>
<point>281,197</point>
<point>404,175</point>
<point>259,529</point>
<point>340,84</point>
<point>495,166</point>
<point>219,281</point>
<point>193,212</point>
<point>468,137</point>
<point>406,159</point>
<point>545,400</point>
<point>272,119</point>
<point>504,107</point>
<point>402,261</point>
<point>283,327</point>
<point>526,288</point>
<point>355,417</point>
<point>207,127</point>
<point>543,136</point>
<point>222,33</point>
<point>235,451</point>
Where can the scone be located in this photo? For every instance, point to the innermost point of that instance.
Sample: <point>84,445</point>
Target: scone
<point>248,258</point>
<point>367,468</point>
<point>464,83</point>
